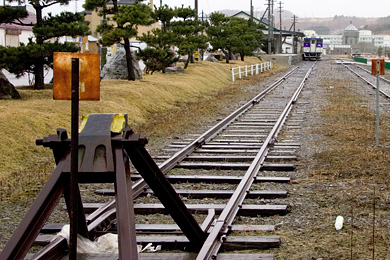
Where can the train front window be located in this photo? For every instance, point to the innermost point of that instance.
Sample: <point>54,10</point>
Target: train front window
<point>313,41</point>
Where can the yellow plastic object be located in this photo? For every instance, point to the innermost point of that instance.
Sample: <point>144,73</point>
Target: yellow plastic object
<point>118,123</point>
<point>83,123</point>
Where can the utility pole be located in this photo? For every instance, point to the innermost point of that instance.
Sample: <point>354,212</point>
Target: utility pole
<point>270,25</point>
<point>280,27</point>
<point>294,37</point>
<point>196,8</point>
<point>160,3</point>
<point>251,11</point>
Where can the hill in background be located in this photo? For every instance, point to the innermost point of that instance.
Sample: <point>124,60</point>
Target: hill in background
<point>331,25</point>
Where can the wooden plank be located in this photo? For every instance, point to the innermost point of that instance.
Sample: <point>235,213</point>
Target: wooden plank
<point>200,194</point>
<point>245,210</point>
<point>52,228</point>
<point>221,166</point>
<point>236,166</point>
<point>251,242</point>
<point>247,131</point>
<point>233,141</point>
<point>284,147</point>
<point>181,242</point>
<point>169,256</point>
<point>225,151</point>
<point>231,146</point>
<point>251,123</point>
<point>224,146</point>
<point>266,228</point>
<point>254,136</point>
<point>231,158</point>
<point>216,179</point>
<point>288,144</point>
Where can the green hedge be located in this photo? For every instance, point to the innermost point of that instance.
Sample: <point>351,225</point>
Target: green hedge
<point>360,59</point>
<point>364,60</point>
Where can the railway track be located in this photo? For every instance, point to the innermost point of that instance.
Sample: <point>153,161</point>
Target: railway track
<point>229,175</point>
<point>371,80</point>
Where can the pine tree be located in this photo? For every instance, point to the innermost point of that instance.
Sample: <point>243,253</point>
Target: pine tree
<point>38,54</point>
<point>246,37</point>
<point>125,19</point>
<point>159,53</point>
<point>218,33</point>
<point>189,33</point>
<point>234,35</point>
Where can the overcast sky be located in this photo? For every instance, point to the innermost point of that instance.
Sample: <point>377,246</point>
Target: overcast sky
<point>301,8</point>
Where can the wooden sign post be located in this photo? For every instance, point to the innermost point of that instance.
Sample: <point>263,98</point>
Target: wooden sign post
<point>378,68</point>
<point>76,76</point>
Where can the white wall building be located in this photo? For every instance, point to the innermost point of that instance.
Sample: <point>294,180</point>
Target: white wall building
<point>334,39</point>
<point>13,35</point>
<point>381,40</point>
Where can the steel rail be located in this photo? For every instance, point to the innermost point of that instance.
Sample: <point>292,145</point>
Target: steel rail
<point>140,186</point>
<point>367,81</point>
<point>368,71</point>
<point>224,222</point>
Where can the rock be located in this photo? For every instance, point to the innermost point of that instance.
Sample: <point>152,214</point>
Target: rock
<point>212,58</point>
<point>7,89</point>
<point>116,67</point>
<point>174,69</point>
<point>183,58</point>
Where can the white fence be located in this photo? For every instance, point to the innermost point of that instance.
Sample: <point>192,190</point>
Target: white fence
<point>250,69</point>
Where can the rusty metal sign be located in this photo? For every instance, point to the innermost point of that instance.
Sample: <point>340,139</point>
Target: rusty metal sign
<point>89,75</point>
<point>374,67</point>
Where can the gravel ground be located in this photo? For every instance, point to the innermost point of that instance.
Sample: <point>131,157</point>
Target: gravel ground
<point>301,237</point>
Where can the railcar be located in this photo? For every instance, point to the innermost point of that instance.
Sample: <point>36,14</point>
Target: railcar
<point>312,48</point>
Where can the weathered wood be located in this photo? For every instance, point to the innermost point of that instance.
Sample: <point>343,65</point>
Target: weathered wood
<point>181,242</point>
<point>199,194</point>
<point>217,179</point>
<point>236,166</point>
<point>170,256</point>
<point>224,146</point>
<point>247,131</point>
<point>52,228</point>
<point>254,136</point>
<point>245,210</point>
<point>255,124</point>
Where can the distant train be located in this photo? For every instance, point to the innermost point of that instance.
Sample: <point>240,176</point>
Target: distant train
<point>312,48</point>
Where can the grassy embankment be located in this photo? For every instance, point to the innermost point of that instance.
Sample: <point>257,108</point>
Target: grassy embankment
<point>158,105</point>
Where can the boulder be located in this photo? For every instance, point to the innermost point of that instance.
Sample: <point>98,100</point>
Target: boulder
<point>212,58</point>
<point>7,89</point>
<point>174,69</point>
<point>116,67</point>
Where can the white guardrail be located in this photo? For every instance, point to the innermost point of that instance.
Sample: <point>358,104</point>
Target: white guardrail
<point>253,69</point>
